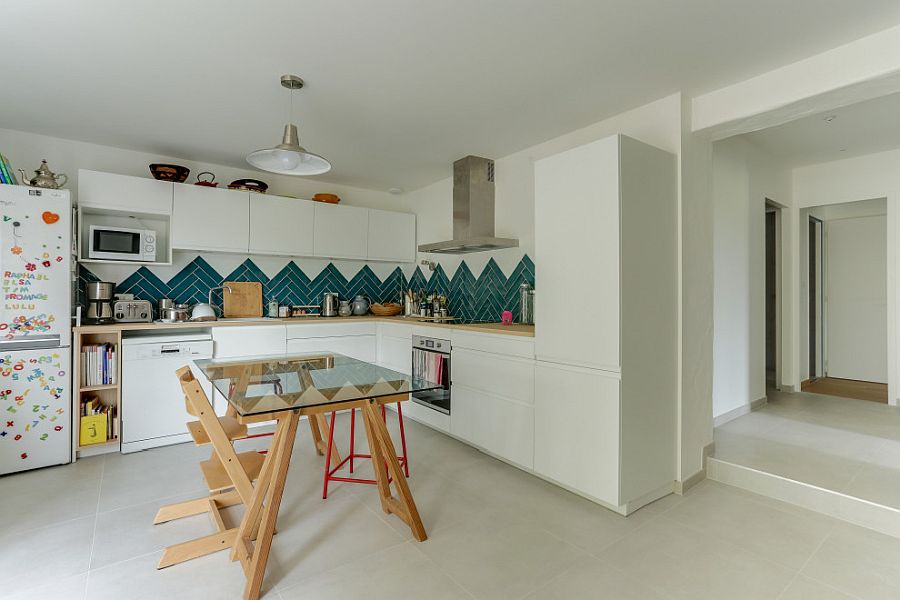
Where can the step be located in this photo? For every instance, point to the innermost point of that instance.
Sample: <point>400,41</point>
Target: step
<point>233,429</point>
<point>217,478</point>
<point>877,517</point>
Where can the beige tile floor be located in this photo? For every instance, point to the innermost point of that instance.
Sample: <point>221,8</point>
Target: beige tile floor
<point>83,532</point>
<point>844,445</point>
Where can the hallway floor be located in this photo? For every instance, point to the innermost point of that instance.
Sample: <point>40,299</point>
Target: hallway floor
<point>848,388</point>
<point>840,444</point>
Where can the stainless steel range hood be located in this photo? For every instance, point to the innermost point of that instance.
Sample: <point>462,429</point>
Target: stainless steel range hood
<point>473,210</point>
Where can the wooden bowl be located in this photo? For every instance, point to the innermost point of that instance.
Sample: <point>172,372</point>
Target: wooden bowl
<point>327,198</point>
<point>390,309</point>
<point>164,172</point>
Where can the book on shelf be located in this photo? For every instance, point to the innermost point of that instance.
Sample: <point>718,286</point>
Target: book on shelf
<point>98,421</point>
<point>7,175</point>
<point>98,365</point>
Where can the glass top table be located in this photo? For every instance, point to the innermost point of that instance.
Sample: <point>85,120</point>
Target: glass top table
<point>278,382</point>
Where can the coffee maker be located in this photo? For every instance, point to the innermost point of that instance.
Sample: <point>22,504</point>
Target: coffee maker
<point>99,302</point>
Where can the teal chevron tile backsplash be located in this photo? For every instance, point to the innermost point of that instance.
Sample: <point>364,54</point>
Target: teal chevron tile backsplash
<point>472,299</point>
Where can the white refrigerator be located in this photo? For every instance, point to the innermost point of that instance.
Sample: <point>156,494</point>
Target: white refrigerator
<point>35,328</point>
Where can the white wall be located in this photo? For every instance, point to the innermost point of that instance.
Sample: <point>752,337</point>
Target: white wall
<point>25,151</point>
<point>744,176</point>
<point>657,123</point>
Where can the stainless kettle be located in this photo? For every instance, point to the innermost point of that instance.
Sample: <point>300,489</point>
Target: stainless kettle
<point>329,305</point>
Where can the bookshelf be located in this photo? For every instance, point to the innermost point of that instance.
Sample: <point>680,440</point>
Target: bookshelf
<point>104,396</point>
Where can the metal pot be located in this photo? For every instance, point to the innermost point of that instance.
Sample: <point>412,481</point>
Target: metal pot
<point>175,314</point>
<point>329,305</point>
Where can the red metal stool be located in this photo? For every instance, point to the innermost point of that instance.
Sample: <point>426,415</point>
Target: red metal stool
<point>330,472</point>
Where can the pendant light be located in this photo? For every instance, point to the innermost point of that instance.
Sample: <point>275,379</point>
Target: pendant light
<point>289,157</point>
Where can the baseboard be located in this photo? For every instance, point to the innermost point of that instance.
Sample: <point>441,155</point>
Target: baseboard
<point>680,487</point>
<point>740,411</point>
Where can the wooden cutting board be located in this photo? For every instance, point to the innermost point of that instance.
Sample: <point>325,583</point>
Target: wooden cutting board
<point>245,299</point>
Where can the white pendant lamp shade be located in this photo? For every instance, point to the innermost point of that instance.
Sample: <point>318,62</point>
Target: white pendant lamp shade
<point>289,157</point>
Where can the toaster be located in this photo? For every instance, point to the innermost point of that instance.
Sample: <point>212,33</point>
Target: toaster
<point>132,311</point>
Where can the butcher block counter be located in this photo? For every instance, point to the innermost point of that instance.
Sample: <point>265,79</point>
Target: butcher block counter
<point>515,329</point>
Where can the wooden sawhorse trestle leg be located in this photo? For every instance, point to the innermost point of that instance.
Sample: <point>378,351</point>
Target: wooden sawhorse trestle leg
<point>254,536</point>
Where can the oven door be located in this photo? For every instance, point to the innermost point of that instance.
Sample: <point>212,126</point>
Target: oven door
<point>432,366</point>
<point>114,243</point>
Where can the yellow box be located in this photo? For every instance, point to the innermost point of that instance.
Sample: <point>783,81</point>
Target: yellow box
<point>93,430</point>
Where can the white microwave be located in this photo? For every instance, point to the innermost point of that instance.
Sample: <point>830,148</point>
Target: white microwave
<point>121,243</point>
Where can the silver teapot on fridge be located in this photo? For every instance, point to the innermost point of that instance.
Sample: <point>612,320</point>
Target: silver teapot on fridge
<point>44,178</point>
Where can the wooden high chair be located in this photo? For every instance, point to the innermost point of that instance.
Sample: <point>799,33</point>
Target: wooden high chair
<point>228,474</point>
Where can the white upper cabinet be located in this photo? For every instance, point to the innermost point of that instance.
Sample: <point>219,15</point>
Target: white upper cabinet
<point>282,226</point>
<point>576,216</point>
<point>341,231</point>
<point>122,192</point>
<point>206,218</point>
<point>392,236</point>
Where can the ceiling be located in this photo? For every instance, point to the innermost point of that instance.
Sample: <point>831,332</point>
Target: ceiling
<point>396,89</point>
<point>854,130</point>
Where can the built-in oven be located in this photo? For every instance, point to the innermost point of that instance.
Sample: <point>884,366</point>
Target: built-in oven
<point>431,361</point>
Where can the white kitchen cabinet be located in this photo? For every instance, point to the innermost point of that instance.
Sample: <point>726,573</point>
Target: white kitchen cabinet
<point>233,342</point>
<point>392,236</point>
<point>360,347</point>
<point>205,218</point>
<point>607,379</point>
<point>576,429</point>
<point>341,231</point>
<point>499,426</point>
<point>395,353</point>
<point>579,249</point>
<point>504,376</point>
<point>468,416</point>
<point>112,192</point>
<point>281,226</point>
<point>492,401</point>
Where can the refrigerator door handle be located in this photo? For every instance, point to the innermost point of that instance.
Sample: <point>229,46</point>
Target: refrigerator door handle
<point>35,342</point>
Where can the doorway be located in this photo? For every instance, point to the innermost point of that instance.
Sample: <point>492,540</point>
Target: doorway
<point>816,298</point>
<point>846,328</point>
<point>772,292</point>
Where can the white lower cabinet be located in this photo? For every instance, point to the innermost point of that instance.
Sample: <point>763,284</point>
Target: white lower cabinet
<point>576,429</point>
<point>395,353</point>
<point>492,403</point>
<point>498,425</point>
<point>233,342</point>
<point>360,347</point>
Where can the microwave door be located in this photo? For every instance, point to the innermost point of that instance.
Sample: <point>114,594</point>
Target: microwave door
<point>117,242</point>
<point>111,243</point>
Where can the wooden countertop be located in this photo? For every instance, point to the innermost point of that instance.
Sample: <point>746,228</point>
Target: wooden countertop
<point>498,328</point>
